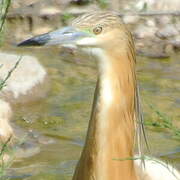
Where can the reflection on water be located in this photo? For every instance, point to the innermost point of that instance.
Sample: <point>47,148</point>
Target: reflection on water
<point>63,115</point>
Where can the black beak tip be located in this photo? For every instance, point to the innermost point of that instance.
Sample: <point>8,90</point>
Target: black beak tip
<point>36,41</point>
<point>30,42</point>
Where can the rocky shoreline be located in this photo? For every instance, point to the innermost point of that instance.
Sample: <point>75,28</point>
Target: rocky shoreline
<point>157,34</point>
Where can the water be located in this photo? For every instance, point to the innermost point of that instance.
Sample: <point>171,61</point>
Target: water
<point>64,113</point>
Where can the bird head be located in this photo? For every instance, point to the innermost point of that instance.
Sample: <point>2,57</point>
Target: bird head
<point>94,30</point>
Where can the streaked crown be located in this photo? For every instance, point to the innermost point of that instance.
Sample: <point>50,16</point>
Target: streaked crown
<point>102,18</point>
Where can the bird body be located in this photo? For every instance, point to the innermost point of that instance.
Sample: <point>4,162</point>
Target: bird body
<point>112,124</point>
<point>115,121</point>
<point>111,131</point>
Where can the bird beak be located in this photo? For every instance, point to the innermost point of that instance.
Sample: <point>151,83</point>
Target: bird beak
<point>64,36</point>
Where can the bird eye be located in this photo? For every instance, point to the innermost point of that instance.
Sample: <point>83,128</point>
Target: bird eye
<point>97,30</point>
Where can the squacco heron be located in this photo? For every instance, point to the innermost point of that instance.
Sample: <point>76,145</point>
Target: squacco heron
<point>115,121</point>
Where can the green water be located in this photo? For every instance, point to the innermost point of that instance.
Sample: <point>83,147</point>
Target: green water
<point>64,113</point>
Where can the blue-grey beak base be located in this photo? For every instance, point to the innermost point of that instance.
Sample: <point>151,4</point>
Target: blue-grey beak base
<point>64,36</point>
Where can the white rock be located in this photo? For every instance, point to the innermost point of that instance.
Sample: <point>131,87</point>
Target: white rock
<point>151,23</point>
<point>49,11</point>
<point>130,19</point>
<point>5,114</point>
<point>27,75</point>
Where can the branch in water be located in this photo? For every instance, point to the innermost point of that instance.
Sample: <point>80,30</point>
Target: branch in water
<point>3,11</point>
<point>3,82</point>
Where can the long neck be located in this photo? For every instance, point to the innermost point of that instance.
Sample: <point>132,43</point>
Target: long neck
<point>110,137</point>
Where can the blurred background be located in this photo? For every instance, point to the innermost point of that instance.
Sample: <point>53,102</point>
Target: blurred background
<point>51,90</point>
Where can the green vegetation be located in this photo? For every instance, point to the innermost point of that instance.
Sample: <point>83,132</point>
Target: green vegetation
<point>4,6</point>
<point>149,158</point>
<point>6,155</point>
<point>163,121</point>
<point>66,17</point>
<point>103,3</point>
<point>3,82</point>
<point>5,160</point>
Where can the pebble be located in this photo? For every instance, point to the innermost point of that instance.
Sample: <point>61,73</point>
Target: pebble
<point>177,25</point>
<point>130,19</point>
<point>49,11</point>
<point>175,43</point>
<point>46,140</point>
<point>143,31</point>
<point>163,20</point>
<point>167,32</point>
<point>151,23</point>
<point>27,149</point>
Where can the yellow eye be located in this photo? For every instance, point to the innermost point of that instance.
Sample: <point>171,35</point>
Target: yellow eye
<point>97,30</point>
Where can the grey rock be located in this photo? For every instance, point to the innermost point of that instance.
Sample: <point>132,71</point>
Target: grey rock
<point>167,32</point>
<point>175,43</point>
<point>163,20</point>
<point>143,31</point>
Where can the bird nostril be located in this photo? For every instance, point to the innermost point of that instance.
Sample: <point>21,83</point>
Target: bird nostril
<point>65,33</point>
